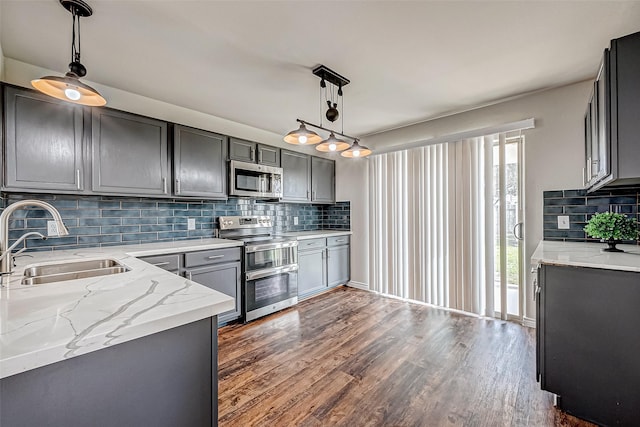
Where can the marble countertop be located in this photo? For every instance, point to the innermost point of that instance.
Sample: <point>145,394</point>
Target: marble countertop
<point>314,234</point>
<point>580,254</point>
<point>47,323</point>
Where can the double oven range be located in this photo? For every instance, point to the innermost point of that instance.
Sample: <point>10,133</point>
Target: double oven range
<point>270,267</point>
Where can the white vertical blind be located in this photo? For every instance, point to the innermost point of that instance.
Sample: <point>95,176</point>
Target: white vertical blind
<point>431,220</point>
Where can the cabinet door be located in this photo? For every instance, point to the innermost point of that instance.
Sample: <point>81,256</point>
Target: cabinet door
<point>268,156</point>
<point>603,167</point>
<point>44,142</point>
<point>225,278</point>
<point>337,265</point>
<point>244,151</point>
<point>312,276</point>
<point>296,176</point>
<point>129,153</point>
<point>323,189</point>
<point>200,163</point>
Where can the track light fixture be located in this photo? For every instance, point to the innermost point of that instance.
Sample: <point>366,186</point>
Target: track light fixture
<point>70,88</point>
<point>304,136</point>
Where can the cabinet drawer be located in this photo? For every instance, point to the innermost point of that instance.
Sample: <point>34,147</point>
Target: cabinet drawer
<point>166,262</point>
<point>214,256</point>
<point>338,240</point>
<point>312,244</point>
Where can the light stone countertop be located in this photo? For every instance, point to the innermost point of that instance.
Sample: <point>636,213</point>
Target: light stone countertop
<point>315,234</point>
<point>590,255</point>
<point>48,323</point>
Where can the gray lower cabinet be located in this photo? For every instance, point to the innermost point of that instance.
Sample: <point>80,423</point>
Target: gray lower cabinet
<point>322,264</point>
<point>129,154</point>
<point>225,278</point>
<point>165,379</point>
<point>199,163</point>
<point>44,143</point>
<point>323,187</point>
<point>296,171</point>
<point>588,342</point>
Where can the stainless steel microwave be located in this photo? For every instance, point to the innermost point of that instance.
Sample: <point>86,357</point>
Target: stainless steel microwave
<point>252,180</point>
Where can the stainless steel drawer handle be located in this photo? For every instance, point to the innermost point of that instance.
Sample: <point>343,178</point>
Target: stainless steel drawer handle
<point>215,256</point>
<point>160,264</point>
<point>341,240</point>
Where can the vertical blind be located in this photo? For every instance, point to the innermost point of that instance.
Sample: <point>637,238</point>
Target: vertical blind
<point>431,216</point>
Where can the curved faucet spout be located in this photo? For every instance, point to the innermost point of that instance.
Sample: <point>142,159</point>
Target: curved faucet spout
<point>5,262</point>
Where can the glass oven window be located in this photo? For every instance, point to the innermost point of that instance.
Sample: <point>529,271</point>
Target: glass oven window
<point>253,181</point>
<point>270,290</point>
<point>270,258</point>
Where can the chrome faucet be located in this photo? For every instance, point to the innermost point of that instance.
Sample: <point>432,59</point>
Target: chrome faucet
<point>6,261</point>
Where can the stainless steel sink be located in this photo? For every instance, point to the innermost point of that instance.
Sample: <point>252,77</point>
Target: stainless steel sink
<point>71,270</point>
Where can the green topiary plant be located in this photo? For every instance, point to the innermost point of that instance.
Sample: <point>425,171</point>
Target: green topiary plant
<point>612,227</point>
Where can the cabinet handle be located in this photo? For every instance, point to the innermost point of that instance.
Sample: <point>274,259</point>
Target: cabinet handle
<point>340,240</point>
<point>259,156</point>
<point>78,186</point>
<point>164,185</point>
<point>177,186</point>
<point>584,181</point>
<point>313,195</point>
<point>307,194</point>
<point>215,257</point>
<point>312,244</point>
<point>251,153</point>
<point>160,264</point>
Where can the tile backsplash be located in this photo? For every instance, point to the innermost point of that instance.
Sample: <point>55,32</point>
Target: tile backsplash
<point>106,220</point>
<point>580,206</point>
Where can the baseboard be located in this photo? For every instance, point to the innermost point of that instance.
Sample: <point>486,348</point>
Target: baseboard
<point>358,285</point>
<point>529,322</point>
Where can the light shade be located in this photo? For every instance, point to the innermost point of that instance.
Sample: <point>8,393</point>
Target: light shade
<point>356,151</point>
<point>302,136</point>
<point>332,144</point>
<point>69,88</point>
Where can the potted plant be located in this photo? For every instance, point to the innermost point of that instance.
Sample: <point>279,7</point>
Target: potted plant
<point>612,228</point>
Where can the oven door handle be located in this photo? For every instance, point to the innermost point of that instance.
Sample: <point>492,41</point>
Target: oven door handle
<point>259,274</point>
<point>266,246</point>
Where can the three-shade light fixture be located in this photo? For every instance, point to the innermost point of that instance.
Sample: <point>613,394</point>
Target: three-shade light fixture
<point>70,88</point>
<point>305,136</point>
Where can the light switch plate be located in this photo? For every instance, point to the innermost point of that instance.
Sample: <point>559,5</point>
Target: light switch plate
<point>563,222</point>
<point>191,224</point>
<point>52,228</point>
<point>295,220</point>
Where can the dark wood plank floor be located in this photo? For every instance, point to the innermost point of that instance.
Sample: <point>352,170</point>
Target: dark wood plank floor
<point>354,358</point>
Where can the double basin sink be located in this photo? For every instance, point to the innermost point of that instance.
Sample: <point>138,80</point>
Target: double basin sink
<point>71,270</point>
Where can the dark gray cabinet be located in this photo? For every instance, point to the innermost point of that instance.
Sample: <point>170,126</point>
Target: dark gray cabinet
<point>323,263</point>
<point>296,176</point>
<point>588,342</point>
<point>611,123</point>
<point>225,278</point>
<point>199,163</point>
<point>323,187</point>
<point>252,152</point>
<point>44,143</point>
<point>129,154</point>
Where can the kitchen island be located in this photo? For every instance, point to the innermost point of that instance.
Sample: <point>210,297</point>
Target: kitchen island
<point>133,348</point>
<point>587,336</point>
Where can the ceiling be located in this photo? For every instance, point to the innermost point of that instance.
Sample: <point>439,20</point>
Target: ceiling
<point>251,61</point>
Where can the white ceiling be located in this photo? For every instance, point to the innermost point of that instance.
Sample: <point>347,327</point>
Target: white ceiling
<point>251,61</point>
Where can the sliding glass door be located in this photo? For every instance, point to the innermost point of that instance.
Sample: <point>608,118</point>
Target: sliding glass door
<point>508,227</point>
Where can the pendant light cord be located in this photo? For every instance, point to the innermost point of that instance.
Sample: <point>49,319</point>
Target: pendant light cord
<point>75,53</point>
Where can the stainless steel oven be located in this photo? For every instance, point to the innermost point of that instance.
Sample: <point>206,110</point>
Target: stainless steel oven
<point>252,180</point>
<point>270,267</point>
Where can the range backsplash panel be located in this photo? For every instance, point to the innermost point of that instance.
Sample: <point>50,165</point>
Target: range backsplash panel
<point>106,221</point>
<point>580,206</point>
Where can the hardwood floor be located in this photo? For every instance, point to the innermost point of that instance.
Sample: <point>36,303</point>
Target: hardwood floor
<point>354,358</point>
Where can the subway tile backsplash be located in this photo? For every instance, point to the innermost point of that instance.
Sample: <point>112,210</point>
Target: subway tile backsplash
<point>580,206</point>
<point>107,221</point>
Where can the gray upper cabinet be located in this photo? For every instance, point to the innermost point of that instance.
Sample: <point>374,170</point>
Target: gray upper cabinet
<point>296,171</point>
<point>44,143</point>
<point>199,163</point>
<point>323,187</point>
<point>241,150</point>
<point>268,155</point>
<point>129,154</point>
<point>252,152</point>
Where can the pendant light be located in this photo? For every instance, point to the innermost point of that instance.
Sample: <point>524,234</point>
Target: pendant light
<point>302,135</point>
<point>356,151</point>
<point>70,88</point>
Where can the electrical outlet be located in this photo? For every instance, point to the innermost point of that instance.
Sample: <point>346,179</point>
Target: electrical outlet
<point>295,220</point>
<point>52,228</point>
<point>191,224</point>
<point>563,222</point>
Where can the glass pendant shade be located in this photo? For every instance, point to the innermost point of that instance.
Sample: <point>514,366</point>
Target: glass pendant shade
<point>302,136</point>
<point>356,151</point>
<point>332,144</point>
<point>69,88</point>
